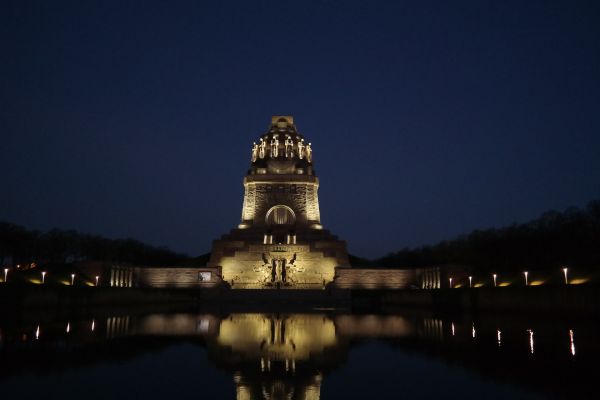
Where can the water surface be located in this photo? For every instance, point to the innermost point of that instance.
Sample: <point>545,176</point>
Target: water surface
<point>317,354</point>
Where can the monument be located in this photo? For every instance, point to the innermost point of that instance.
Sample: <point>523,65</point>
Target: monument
<point>280,242</point>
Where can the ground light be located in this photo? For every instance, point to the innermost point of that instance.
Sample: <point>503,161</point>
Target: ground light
<point>5,274</point>
<point>450,283</point>
<point>72,279</point>
<point>97,277</point>
<point>43,277</point>
<point>565,271</point>
<point>526,281</point>
<point>470,281</point>
<point>495,276</point>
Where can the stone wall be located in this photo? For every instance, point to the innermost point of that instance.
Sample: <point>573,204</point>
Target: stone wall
<point>374,278</point>
<point>178,277</point>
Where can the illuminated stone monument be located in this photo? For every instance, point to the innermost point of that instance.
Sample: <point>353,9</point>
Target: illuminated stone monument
<point>280,242</point>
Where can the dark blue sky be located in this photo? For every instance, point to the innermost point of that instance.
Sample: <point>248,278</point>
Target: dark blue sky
<point>428,119</point>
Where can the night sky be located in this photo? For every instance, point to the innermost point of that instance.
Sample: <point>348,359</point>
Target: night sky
<point>427,119</point>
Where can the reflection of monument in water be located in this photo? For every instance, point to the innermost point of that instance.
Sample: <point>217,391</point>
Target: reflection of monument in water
<point>271,356</point>
<point>280,241</point>
<point>277,356</point>
<point>289,356</point>
<point>286,356</point>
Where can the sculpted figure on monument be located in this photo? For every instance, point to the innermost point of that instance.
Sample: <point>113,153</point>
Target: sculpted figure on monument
<point>280,270</point>
<point>309,152</point>
<point>283,271</point>
<point>301,149</point>
<point>254,151</point>
<point>275,146</point>
<point>276,272</point>
<point>289,145</point>
<point>262,146</point>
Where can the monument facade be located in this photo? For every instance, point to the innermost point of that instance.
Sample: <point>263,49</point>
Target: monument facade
<point>280,242</point>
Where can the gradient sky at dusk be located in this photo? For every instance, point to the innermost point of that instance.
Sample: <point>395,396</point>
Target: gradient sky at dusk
<point>428,119</point>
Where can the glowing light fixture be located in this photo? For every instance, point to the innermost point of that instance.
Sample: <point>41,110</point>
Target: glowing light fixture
<point>68,327</point>
<point>97,277</point>
<point>450,282</point>
<point>37,333</point>
<point>93,325</point>
<point>565,271</point>
<point>526,281</point>
<point>473,333</point>
<point>5,274</point>
<point>470,281</point>
<point>72,279</point>
<point>43,277</point>
<point>495,276</point>
<point>452,328</point>
<point>499,337</point>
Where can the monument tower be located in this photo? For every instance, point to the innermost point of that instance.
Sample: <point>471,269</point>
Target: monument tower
<point>280,242</point>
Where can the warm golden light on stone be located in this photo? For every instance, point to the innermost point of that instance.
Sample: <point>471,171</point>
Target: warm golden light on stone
<point>280,242</point>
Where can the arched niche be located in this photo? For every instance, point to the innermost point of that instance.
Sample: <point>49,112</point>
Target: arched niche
<point>280,215</point>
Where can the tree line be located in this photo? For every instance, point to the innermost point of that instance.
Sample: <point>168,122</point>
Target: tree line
<point>19,245</point>
<point>571,237</point>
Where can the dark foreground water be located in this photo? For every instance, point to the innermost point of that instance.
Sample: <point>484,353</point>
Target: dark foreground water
<point>318,354</point>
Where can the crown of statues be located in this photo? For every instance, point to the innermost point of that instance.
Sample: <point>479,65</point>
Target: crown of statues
<point>282,140</point>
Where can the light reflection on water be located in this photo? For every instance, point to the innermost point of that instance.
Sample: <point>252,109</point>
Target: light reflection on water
<point>291,356</point>
<point>531,343</point>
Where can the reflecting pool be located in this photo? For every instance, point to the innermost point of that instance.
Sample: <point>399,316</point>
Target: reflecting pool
<point>325,354</point>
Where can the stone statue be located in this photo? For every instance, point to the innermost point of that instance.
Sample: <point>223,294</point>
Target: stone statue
<point>289,145</point>
<point>262,146</point>
<point>276,272</point>
<point>301,149</point>
<point>275,146</point>
<point>254,151</point>
<point>283,272</point>
<point>279,270</point>
<point>309,152</point>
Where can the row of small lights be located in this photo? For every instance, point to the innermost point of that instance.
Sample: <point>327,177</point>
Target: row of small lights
<point>525,273</point>
<point>44,277</point>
